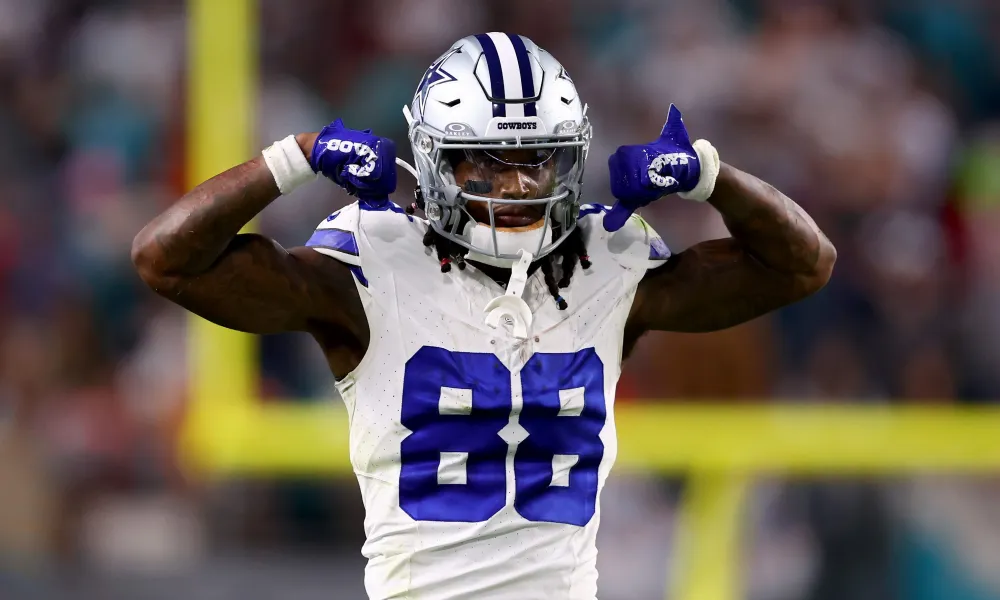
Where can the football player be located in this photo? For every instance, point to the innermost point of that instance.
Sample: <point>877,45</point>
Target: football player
<point>478,349</point>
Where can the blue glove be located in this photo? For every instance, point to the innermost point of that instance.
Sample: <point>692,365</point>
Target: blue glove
<point>358,161</point>
<point>671,164</point>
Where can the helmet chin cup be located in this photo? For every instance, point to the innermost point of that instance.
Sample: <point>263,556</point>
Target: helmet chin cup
<point>504,248</point>
<point>510,309</point>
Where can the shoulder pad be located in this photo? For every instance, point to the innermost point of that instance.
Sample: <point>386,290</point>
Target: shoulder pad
<point>635,246</point>
<point>386,206</point>
<point>336,236</point>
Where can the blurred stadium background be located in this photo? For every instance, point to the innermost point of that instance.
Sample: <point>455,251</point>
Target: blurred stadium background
<point>881,117</point>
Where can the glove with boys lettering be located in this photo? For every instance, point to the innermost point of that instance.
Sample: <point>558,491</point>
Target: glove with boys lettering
<point>671,164</point>
<point>362,163</point>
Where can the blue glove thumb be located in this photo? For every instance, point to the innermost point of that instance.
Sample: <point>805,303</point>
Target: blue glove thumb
<point>674,130</point>
<point>640,174</point>
<point>615,218</point>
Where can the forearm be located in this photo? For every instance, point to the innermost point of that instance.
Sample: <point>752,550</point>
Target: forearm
<point>770,226</point>
<point>190,236</point>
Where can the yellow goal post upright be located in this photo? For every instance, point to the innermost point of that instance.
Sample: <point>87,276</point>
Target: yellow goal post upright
<point>221,93</point>
<point>229,431</point>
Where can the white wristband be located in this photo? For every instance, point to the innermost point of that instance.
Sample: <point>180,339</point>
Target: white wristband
<point>708,156</point>
<point>288,164</point>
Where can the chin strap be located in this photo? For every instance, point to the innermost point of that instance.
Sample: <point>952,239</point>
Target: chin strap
<point>510,308</point>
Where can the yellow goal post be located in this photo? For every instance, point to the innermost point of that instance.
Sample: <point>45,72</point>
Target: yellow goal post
<point>229,431</point>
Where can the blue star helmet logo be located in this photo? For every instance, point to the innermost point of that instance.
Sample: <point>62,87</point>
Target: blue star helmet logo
<point>435,75</point>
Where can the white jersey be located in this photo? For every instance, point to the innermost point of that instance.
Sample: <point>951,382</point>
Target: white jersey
<point>480,456</point>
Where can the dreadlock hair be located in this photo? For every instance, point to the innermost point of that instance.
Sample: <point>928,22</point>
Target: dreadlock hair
<point>563,259</point>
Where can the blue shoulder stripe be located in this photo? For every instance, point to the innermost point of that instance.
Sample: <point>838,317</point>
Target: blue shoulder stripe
<point>658,249</point>
<point>382,205</point>
<point>592,209</point>
<point>334,239</point>
<point>359,274</point>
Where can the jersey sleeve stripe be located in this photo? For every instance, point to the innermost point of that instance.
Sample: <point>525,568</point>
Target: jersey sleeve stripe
<point>658,249</point>
<point>382,205</point>
<point>359,274</point>
<point>340,257</point>
<point>591,209</point>
<point>334,239</point>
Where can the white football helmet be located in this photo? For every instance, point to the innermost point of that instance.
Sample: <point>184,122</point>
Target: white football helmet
<point>496,92</point>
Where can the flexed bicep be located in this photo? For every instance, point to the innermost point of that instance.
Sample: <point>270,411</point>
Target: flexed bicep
<point>710,286</point>
<point>257,286</point>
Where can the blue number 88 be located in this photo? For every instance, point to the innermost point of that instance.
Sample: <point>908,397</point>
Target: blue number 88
<point>563,413</point>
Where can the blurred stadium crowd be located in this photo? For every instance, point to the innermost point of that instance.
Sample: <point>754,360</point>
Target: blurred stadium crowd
<point>882,118</point>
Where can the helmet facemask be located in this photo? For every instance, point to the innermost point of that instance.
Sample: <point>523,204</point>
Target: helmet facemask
<point>495,104</point>
<point>481,194</point>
